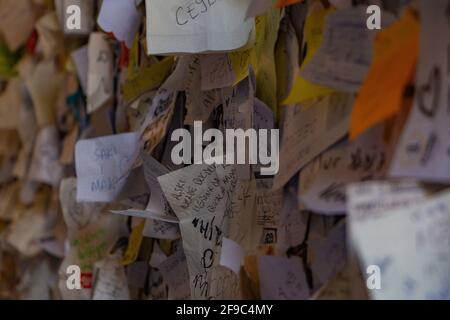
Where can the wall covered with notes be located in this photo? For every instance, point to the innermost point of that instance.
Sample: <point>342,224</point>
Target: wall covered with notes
<point>224,149</point>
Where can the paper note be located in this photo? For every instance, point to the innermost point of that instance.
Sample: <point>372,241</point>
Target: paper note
<point>111,281</point>
<point>292,225</point>
<point>147,79</point>
<point>286,58</point>
<point>29,228</point>
<point>45,166</point>
<point>366,158</point>
<point>100,82</point>
<point>16,22</point>
<point>303,89</point>
<point>81,60</point>
<point>330,254</point>
<point>77,215</point>
<point>199,103</point>
<point>90,234</point>
<point>197,26</point>
<point>121,18</point>
<point>309,131</point>
<point>370,200</point>
<point>134,243</point>
<point>102,165</point>
<point>45,93</point>
<point>285,3</point>
<point>382,92</point>
<point>176,275</point>
<point>216,71</point>
<point>50,35</point>
<point>345,55</point>
<point>268,207</point>
<point>423,150</point>
<point>199,195</point>
<point>266,78</point>
<point>339,288</point>
<point>281,278</point>
<point>409,243</point>
<point>231,255</point>
<point>258,7</point>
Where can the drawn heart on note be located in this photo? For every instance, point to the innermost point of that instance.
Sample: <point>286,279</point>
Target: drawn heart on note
<point>80,215</point>
<point>428,95</point>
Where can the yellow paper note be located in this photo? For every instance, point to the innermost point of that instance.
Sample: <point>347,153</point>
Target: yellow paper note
<point>266,78</point>
<point>134,243</point>
<point>241,60</point>
<point>148,79</point>
<point>304,90</point>
<point>261,57</point>
<point>396,54</point>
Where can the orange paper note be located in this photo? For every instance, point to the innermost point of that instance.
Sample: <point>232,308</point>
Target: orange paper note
<point>396,55</point>
<point>285,3</point>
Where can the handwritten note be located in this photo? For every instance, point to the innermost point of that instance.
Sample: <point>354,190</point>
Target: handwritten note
<point>345,55</point>
<point>309,131</point>
<point>111,281</point>
<point>102,165</point>
<point>409,242</point>
<point>175,272</point>
<point>282,278</point>
<point>186,26</point>
<point>424,148</point>
<point>366,158</point>
<point>199,195</point>
<point>304,90</point>
<point>100,81</point>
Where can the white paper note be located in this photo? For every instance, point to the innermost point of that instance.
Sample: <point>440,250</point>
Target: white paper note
<point>100,81</point>
<point>188,26</point>
<point>121,18</point>
<point>406,239</point>
<point>424,148</point>
<point>309,131</point>
<point>103,164</point>
<point>344,59</point>
<point>231,255</point>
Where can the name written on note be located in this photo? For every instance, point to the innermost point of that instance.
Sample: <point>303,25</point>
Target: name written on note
<point>193,10</point>
<point>103,164</point>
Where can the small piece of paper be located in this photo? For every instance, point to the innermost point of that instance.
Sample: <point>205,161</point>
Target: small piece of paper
<point>122,18</point>
<point>181,26</point>
<point>231,255</point>
<point>103,164</point>
<point>281,278</point>
<point>100,81</point>
<point>308,131</point>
